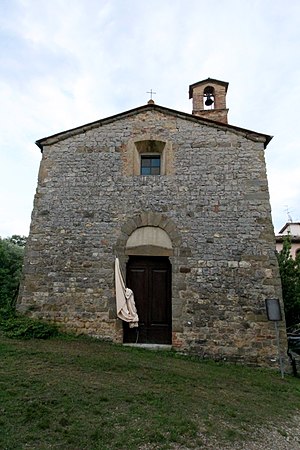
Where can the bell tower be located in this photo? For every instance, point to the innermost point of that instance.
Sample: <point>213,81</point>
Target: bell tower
<point>209,99</point>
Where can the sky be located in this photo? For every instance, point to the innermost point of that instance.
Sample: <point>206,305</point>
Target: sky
<point>64,63</point>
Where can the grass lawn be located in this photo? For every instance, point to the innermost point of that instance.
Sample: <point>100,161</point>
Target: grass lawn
<point>84,394</point>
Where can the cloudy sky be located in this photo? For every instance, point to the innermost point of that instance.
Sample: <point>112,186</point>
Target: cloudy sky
<point>64,63</point>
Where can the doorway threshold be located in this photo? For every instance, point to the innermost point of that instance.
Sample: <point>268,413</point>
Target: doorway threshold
<point>151,346</point>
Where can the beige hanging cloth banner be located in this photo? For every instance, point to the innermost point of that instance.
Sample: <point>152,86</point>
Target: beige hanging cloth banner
<point>126,309</point>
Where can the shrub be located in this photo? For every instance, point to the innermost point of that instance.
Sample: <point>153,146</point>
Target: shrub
<point>22,327</point>
<point>11,260</point>
<point>290,280</point>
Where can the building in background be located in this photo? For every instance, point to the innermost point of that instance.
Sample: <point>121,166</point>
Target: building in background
<point>291,229</point>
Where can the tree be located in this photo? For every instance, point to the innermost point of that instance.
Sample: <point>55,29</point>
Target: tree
<point>12,324</point>
<point>290,280</point>
<point>11,260</point>
<point>19,240</point>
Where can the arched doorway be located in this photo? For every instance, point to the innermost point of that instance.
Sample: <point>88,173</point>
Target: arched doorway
<point>148,274</point>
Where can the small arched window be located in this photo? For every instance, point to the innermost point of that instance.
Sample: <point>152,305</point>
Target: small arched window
<point>208,97</point>
<point>146,156</point>
<point>151,154</point>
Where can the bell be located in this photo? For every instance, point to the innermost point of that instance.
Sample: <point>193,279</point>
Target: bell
<point>209,101</point>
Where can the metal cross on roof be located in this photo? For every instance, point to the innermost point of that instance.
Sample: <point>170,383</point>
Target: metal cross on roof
<point>151,93</point>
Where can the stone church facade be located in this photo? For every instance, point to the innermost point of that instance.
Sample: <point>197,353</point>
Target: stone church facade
<point>182,200</point>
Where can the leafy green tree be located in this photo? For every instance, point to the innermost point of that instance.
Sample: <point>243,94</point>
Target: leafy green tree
<point>290,280</point>
<point>18,240</point>
<point>11,260</point>
<point>12,324</point>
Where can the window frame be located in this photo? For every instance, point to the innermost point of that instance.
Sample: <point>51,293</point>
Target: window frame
<point>147,144</point>
<point>150,157</point>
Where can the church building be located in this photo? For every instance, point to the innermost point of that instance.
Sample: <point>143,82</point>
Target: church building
<point>182,201</point>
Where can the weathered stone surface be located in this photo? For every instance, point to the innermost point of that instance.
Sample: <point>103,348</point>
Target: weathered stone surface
<point>214,206</point>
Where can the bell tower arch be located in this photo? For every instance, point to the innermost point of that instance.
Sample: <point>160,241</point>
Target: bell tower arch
<point>209,99</point>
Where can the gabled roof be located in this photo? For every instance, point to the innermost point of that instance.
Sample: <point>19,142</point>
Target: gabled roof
<point>208,80</point>
<point>288,225</point>
<point>252,135</point>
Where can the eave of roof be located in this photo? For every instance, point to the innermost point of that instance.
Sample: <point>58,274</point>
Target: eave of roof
<point>208,80</point>
<point>287,225</point>
<point>253,135</point>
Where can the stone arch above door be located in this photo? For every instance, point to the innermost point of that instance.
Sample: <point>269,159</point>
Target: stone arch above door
<point>154,220</point>
<point>149,241</point>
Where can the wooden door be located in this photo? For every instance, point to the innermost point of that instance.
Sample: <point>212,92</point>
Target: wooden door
<point>150,280</point>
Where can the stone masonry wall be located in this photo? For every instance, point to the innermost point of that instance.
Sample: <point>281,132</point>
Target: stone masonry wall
<point>214,206</point>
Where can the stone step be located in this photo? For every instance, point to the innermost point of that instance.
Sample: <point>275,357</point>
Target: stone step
<point>151,346</point>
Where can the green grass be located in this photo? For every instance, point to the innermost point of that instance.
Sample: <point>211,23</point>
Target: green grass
<point>83,394</point>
